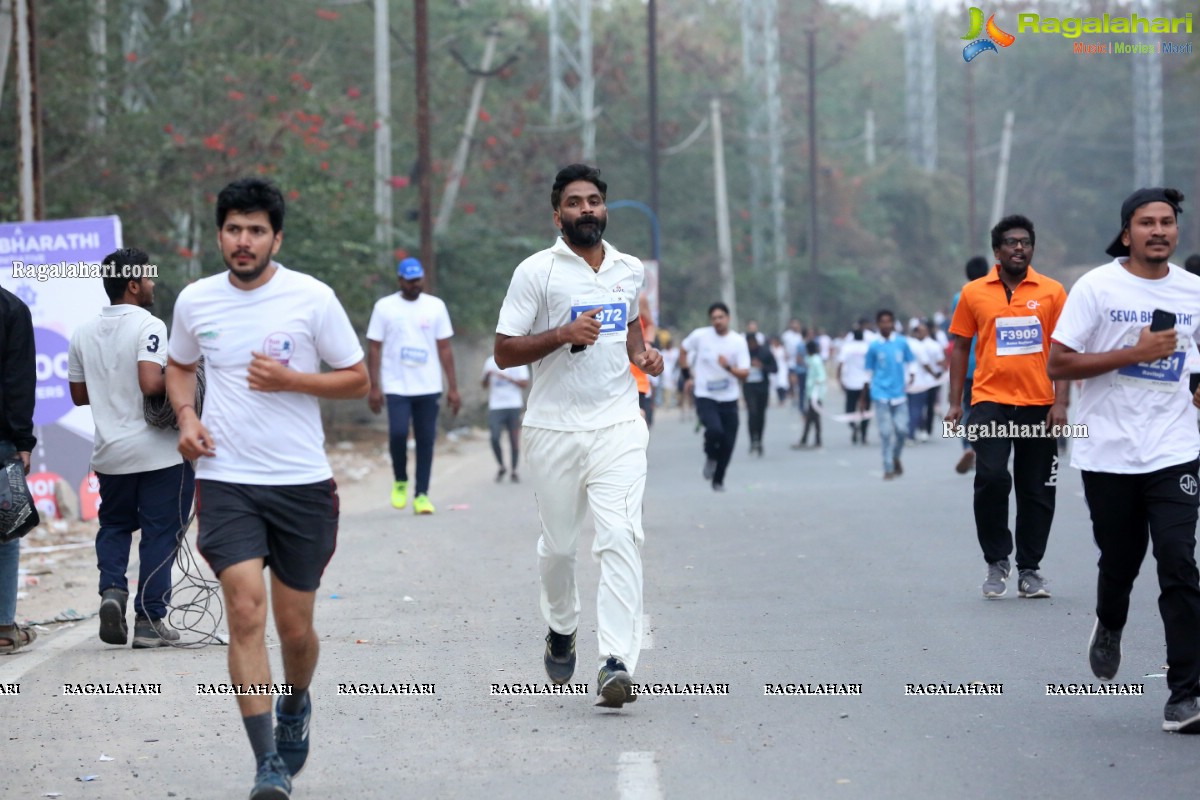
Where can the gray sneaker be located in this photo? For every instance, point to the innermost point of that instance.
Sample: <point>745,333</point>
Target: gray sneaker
<point>1031,584</point>
<point>1104,652</point>
<point>995,585</point>
<point>153,633</point>
<point>1182,717</point>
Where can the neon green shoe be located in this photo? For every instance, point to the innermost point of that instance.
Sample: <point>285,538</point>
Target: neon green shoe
<point>421,504</point>
<point>399,494</point>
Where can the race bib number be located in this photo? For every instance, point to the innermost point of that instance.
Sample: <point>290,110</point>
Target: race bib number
<point>414,356</point>
<point>1159,376</point>
<point>613,317</point>
<point>1018,336</point>
<point>718,385</point>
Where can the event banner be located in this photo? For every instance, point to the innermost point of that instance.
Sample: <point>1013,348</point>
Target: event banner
<point>47,265</point>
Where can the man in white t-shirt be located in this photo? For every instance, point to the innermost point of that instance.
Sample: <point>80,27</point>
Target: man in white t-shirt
<point>717,359</point>
<point>505,402</point>
<point>264,489</point>
<point>572,313</point>
<point>924,378</point>
<point>115,361</point>
<point>852,375</point>
<point>1126,331</point>
<point>407,330</point>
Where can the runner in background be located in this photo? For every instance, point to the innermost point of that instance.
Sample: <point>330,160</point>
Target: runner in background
<point>505,402</point>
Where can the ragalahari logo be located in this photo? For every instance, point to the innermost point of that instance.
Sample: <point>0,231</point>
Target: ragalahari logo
<point>995,36</point>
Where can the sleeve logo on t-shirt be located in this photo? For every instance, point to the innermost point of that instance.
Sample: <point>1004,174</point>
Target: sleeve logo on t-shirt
<point>280,346</point>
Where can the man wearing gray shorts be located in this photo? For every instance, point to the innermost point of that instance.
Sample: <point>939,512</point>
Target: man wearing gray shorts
<point>265,495</point>
<point>505,404</point>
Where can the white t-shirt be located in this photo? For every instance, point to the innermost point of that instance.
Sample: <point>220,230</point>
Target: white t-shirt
<point>104,354</point>
<point>502,392</point>
<point>928,354</point>
<point>410,330</point>
<point>793,342</point>
<point>853,358</point>
<point>781,377</point>
<point>1139,418</point>
<point>262,438</point>
<point>591,389</point>
<point>704,347</point>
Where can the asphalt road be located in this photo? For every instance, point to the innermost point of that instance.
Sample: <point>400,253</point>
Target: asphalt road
<point>809,569</point>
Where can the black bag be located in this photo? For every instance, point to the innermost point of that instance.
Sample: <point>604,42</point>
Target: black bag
<point>18,514</point>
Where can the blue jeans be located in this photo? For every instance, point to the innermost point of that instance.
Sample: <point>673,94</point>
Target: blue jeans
<point>916,413</point>
<point>893,422</point>
<point>422,412</point>
<point>9,558</point>
<point>158,503</point>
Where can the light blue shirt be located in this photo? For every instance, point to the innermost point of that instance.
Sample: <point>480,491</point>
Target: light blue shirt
<point>886,359</point>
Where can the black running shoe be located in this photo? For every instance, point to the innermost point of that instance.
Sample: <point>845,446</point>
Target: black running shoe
<point>1182,717</point>
<point>614,684</point>
<point>560,657</point>
<point>114,629</point>
<point>1104,652</point>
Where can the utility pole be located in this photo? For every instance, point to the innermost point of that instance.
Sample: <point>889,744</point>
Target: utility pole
<point>814,177</point>
<point>760,63</point>
<point>652,81</point>
<point>6,32</point>
<point>724,240</point>
<point>920,84</point>
<point>972,243</point>
<point>1001,191</point>
<point>424,160</point>
<point>383,137</point>
<point>29,162</point>
<point>1147,110</point>
<point>572,85</point>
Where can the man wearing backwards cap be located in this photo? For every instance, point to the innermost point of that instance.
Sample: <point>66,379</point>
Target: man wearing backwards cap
<point>406,330</point>
<point>1139,459</point>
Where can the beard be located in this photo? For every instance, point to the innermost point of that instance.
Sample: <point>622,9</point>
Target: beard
<point>251,274</point>
<point>585,232</point>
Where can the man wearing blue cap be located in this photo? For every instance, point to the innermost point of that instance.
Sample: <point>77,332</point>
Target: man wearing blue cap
<point>406,330</point>
<point>1126,331</point>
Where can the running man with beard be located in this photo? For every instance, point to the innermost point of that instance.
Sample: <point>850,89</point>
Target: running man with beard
<point>1126,331</point>
<point>572,312</point>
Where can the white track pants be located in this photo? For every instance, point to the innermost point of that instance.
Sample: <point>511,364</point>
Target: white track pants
<point>605,471</point>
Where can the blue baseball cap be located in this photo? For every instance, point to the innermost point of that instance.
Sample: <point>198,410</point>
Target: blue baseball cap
<point>410,269</point>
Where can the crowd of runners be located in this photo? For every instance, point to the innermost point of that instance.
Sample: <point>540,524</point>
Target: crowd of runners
<point>998,371</point>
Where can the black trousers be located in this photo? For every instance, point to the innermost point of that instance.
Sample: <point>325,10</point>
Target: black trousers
<point>758,395</point>
<point>1035,473</point>
<point>858,430</point>
<point>720,421</point>
<point>1127,512</point>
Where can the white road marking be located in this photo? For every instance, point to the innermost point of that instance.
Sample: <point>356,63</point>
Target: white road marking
<point>647,633</point>
<point>637,776</point>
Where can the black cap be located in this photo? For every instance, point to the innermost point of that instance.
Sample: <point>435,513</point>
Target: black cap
<point>1159,194</point>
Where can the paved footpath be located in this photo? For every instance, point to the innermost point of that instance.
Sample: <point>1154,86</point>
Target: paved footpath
<point>809,570</point>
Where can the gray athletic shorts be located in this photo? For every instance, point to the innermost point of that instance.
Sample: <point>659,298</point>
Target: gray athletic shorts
<point>292,528</point>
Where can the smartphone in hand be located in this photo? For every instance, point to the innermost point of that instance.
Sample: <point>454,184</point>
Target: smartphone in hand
<point>1162,320</point>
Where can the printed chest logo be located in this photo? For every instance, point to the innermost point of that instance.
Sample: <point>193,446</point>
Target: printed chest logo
<point>1032,304</point>
<point>1188,484</point>
<point>280,346</point>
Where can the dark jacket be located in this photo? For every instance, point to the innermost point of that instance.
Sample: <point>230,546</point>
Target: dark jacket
<point>19,384</point>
